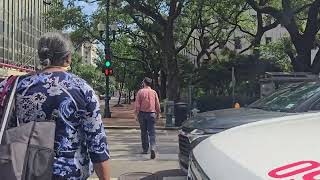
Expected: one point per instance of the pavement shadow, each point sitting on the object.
(155, 176)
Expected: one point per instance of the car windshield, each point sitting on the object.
(288, 98)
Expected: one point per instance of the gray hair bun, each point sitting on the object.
(45, 56)
(46, 62)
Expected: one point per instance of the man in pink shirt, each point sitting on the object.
(147, 111)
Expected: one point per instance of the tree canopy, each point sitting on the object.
(152, 34)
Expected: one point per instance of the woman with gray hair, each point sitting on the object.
(80, 139)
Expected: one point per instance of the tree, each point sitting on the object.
(159, 18)
(302, 21)
(278, 52)
(132, 45)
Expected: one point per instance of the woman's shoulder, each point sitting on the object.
(74, 78)
(78, 82)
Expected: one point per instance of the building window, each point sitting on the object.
(268, 40)
(237, 43)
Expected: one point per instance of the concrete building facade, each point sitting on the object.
(22, 22)
(89, 53)
(238, 41)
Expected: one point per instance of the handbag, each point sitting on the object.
(27, 150)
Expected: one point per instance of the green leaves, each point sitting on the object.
(277, 52)
(90, 73)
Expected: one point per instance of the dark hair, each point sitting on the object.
(53, 48)
(147, 81)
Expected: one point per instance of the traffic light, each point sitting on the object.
(108, 72)
(108, 68)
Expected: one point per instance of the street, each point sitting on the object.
(222, 82)
(125, 151)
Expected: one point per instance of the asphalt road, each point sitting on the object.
(125, 151)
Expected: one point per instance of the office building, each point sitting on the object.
(89, 53)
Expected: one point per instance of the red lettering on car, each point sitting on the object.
(276, 173)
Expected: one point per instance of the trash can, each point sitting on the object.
(181, 113)
(169, 111)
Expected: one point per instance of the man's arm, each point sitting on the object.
(137, 104)
(103, 170)
(158, 109)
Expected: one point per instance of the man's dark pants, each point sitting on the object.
(147, 122)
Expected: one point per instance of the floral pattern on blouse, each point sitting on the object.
(80, 138)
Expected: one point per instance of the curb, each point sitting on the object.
(137, 127)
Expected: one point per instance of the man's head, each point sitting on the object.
(147, 82)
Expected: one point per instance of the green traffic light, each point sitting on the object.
(108, 64)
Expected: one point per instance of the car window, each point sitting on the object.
(288, 98)
(316, 107)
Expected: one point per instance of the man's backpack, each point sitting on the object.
(26, 151)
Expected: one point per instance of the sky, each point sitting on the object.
(87, 8)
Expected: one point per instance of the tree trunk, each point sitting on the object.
(173, 84)
(120, 92)
(302, 62)
(129, 97)
(171, 63)
(303, 45)
(316, 63)
(163, 85)
(119, 98)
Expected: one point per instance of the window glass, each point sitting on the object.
(288, 98)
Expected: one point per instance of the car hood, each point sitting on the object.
(263, 150)
(228, 118)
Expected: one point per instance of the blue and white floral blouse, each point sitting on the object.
(80, 137)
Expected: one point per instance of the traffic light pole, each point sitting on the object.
(107, 51)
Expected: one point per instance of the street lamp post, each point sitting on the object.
(107, 50)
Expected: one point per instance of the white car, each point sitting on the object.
(286, 148)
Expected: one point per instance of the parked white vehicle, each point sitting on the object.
(286, 148)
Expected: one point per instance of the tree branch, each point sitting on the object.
(264, 9)
(144, 27)
(313, 24)
(178, 10)
(147, 10)
(247, 49)
(271, 26)
(185, 43)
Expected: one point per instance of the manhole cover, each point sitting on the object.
(138, 176)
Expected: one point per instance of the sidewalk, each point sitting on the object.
(123, 118)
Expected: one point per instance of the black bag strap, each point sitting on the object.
(8, 109)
